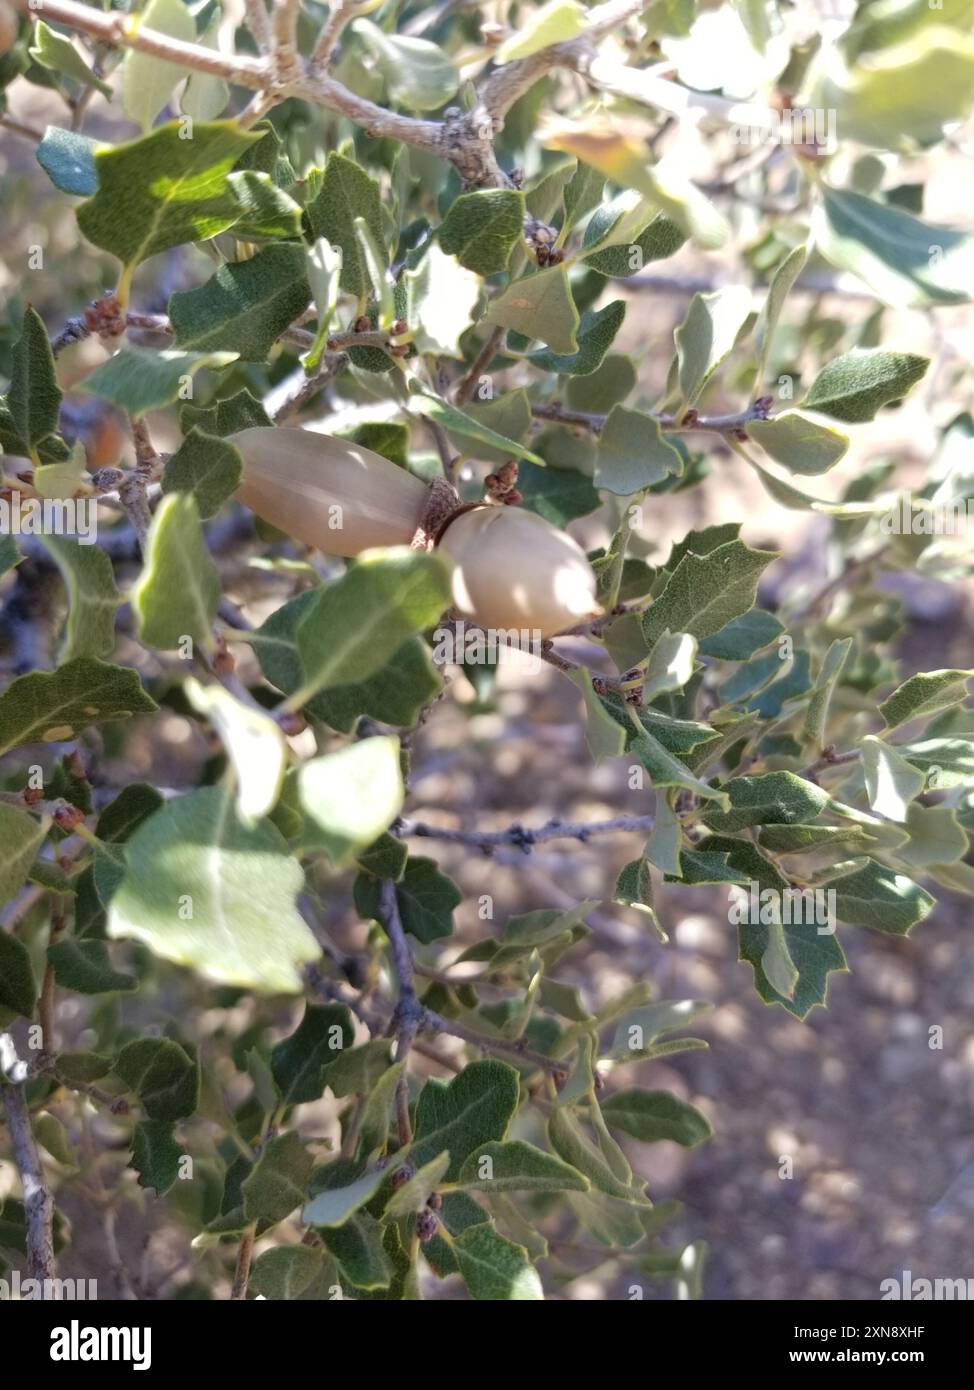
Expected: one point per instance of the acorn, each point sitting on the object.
(327, 492)
(513, 569)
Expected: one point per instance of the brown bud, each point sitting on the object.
(66, 817)
(33, 794)
(362, 324)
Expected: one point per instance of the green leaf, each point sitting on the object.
(359, 1249)
(459, 422)
(494, 1268)
(556, 22)
(148, 81)
(347, 192)
(207, 468)
(665, 770)
(57, 53)
(881, 899)
(653, 1115)
(418, 74)
(772, 798)
(51, 1135)
(245, 307)
(205, 97)
(156, 1156)
(360, 621)
(278, 1182)
(660, 239)
(817, 713)
(254, 745)
(518, 1167)
(356, 1070)
(604, 736)
(472, 1109)
(558, 494)
(18, 988)
(93, 596)
(79, 1069)
(164, 190)
(300, 1063)
(905, 262)
(138, 380)
(335, 1205)
(891, 782)
(572, 1144)
(607, 386)
(797, 839)
(945, 762)
(194, 856)
(482, 228)
(351, 796)
(414, 1194)
(801, 445)
(596, 333)
(22, 836)
(633, 454)
(442, 298)
(743, 636)
(936, 837)
(781, 283)
(177, 593)
(53, 706)
(34, 397)
(670, 666)
(539, 306)
(637, 1031)
(68, 159)
(924, 694)
(86, 966)
(706, 336)
(853, 387)
(228, 416)
(706, 592)
(426, 899)
(162, 1074)
(285, 1272)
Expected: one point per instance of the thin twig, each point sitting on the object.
(525, 839)
(489, 350)
(38, 1202)
(689, 421)
(242, 1271)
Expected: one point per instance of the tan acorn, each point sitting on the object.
(327, 492)
(513, 569)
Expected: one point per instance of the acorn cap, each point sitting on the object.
(513, 569)
(328, 492)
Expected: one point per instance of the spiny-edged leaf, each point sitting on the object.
(351, 796)
(707, 335)
(936, 837)
(817, 713)
(241, 411)
(18, 988)
(474, 1108)
(243, 307)
(442, 297)
(86, 966)
(285, 1272)
(518, 1167)
(21, 836)
(394, 695)
(148, 81)
(163, 190)
(891, 781)
(360, 621)
(162, 1074)
(196, 856)
(882, 899)
(558, 494)
(34, 397)
(253, 742)
(857, 384)
(53, 706)
(347, 192)
(278, 1182)
(924, 694)
(333, 1205)
(177, 593)
(666, 770)
(265, 212)
(653, 1115)
(704, 866)
(706, 592)
(116, 823)
(801, 445)
(208, 468)
(481, 228)
(800, 839)
(68, 160)
(539, 306)
(907, 263)
(418, 74)
(660, 239)
(493, 1267)
(743, 636)
(414, 1194)
(156, 1156)
(772, 798)
(811, 954)
(426, 899)
(358, 1246)
(597, 329)
(633, 454)
(138, 380)
(93, 596)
